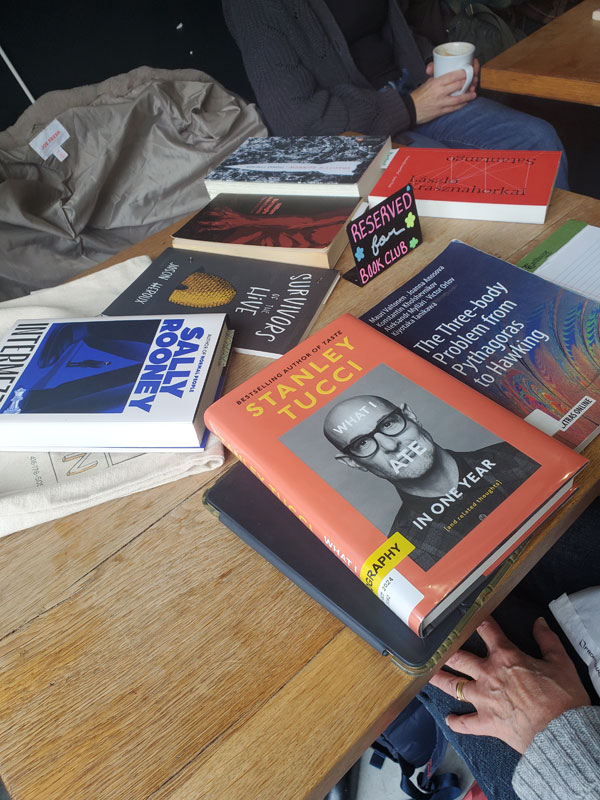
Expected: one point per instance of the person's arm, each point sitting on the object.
(537, 706)
(563, 760)
(288, 66)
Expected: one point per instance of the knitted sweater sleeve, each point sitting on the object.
(563, 761)
(303, 81)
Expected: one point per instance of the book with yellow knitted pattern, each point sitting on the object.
(270, 306)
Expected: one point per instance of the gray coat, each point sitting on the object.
(140, 145)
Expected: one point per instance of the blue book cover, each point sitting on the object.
(110, 384)
(526, 343)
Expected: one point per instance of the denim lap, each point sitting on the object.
(491, 761)
(486, 124)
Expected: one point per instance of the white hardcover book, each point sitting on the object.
(110, 384)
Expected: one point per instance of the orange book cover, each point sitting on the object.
(418, 483)
(502, 185)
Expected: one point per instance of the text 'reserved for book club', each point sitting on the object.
(382, 235)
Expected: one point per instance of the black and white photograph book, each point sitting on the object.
(345, 165)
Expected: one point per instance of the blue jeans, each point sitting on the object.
(488, 125)
(570, 565)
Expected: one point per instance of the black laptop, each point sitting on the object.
(251, 511)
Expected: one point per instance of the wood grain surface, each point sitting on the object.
(560, 61)
(146, 652)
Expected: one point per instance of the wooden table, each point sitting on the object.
(560, 61)
(146, 652)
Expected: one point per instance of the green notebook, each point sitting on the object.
(536, 257)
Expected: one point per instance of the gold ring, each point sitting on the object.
(459, 691)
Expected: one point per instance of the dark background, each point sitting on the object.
(61, 45)
(58, 46)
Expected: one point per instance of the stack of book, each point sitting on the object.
(256, 262)
(263, 249)
(346, 437)
(420, 485)
(406, 455)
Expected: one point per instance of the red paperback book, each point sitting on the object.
(495, 185)
(419, 484)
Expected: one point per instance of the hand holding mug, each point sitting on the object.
(438, 96)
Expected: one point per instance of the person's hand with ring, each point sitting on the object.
(515, 695)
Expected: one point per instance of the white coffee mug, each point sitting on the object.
(452, 56)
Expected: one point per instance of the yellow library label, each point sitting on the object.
(384, 559)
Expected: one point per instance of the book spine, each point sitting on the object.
(15, 353)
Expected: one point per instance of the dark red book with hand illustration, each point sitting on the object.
(298, 229)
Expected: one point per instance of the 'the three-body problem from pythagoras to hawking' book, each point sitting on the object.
(419, 484)
(528, 344)
(104, 384)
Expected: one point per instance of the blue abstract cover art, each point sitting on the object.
(83, 367)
